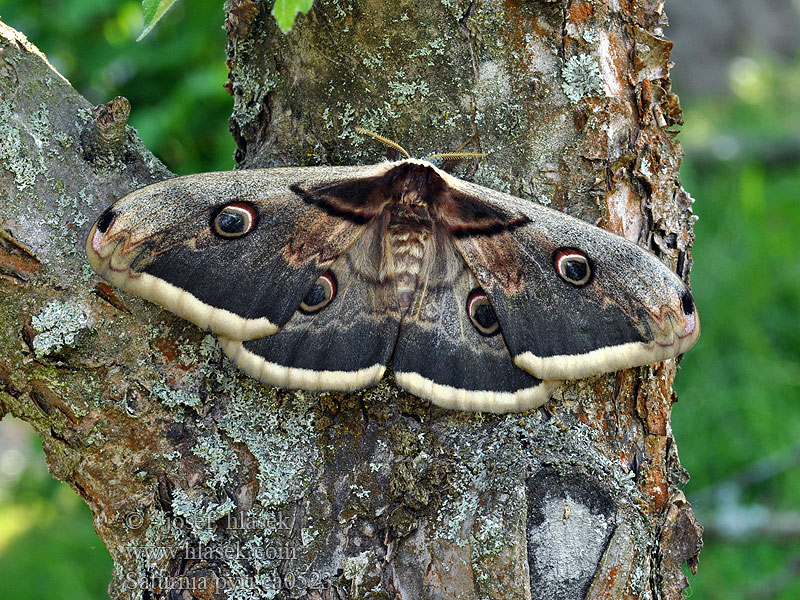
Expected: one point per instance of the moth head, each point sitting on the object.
(234, 220)
(481, 313)
(573, 266)
(320, 295)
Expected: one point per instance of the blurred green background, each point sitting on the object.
(737, 423)
(173, 77)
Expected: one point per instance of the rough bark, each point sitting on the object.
(199, 478)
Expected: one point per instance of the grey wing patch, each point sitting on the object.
(158, 243)
(441, 356)
(343, 346)
(626, 309)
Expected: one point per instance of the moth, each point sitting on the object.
(320, 277)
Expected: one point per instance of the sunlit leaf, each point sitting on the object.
(153, 11)
(285, 11)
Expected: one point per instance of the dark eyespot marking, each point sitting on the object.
(320, 295)
(687, 302)
(234, 220)
(481, 313)
(573, 266)
(105, 220)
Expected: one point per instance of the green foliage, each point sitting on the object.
(744, 375)
(153, 11)
(739, 388)
(48, 548)
(744, 571)
(174, 78)
(286, 11)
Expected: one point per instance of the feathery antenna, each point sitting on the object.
(457, 155)
(443, 155)
(385, 140)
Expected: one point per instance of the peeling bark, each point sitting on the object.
(202, 479)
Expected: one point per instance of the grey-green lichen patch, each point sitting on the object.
(221, 459)
(245, 585)
(280, 435)
(403, 90)
(253, 81)
(491, 534)
(456, 8)
(96, 437)
(468, 477)
(57, 326)
(14, 154)
(582, 78)
(161, 529)
(372, 60)
(343, 9)
(210, 359)
(39, 153)
(434, 47)
(175, 398)
(66, 217)
(200, 512)
(486, 468)
(207, 355)
(41, 129)
(152, 551)
(363, 573)
(309, 534)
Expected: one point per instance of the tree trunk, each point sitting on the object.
(205, 484)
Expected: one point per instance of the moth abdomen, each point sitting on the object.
(406, 239)
(406, 254)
